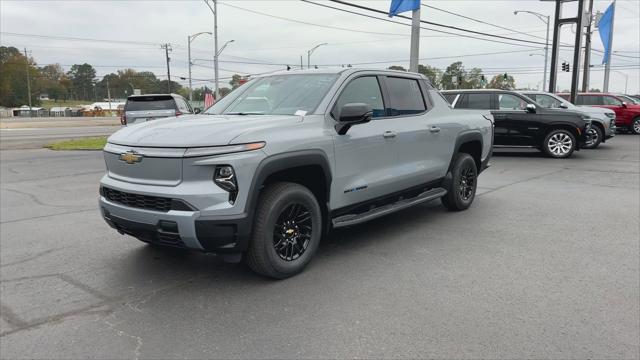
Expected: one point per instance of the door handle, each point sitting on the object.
(434, 129)
(389, 134)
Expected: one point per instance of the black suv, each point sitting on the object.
(521, 122)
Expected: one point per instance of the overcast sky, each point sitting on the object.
(134, 30)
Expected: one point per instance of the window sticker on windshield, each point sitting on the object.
(300, 113)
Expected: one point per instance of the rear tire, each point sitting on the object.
(286, 231)
(559, 144)
(635, 126)
(464, 182)
(596, 137)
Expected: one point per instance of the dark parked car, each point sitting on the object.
(521, 122)
(143, 108)
(627, 112)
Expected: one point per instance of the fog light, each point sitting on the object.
(225, 177)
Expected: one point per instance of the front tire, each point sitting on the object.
(286, 231)
(635, 126)
(559, 144)
(596, 137)
(464, 182)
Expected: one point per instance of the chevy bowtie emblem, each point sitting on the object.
(130, 157)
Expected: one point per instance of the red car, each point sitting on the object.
(627, 112)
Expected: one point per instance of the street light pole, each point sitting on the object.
(214, 10)
(309, 52)
(190, 38)
(547, 20)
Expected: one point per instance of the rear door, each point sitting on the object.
(424, 142)
(146, 108)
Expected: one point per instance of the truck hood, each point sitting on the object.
(197, 130)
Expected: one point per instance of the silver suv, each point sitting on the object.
(269, 169)
(143, 108)
(603, 120)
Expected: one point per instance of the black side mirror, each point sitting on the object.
(197, 110)
(353, 114)
(530, 108)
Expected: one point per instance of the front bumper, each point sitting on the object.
(184, 229)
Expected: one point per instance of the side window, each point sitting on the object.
(450, 97)
(594, 100)
(479, 101)
(182, 107)
(510, 102)
(362, 90)
(405, 96)
(610, 100)
(547, 101)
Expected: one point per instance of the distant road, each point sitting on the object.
(47, 122)
(31, 138)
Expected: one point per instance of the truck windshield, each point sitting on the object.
(280, 95)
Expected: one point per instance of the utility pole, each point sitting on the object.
(28, 79)
(415, 41)
(301, 64)
(607, 67)
(108, 93)
(587, 51)
(167, 48)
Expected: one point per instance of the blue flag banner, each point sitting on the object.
(604, 28)
(400, 6)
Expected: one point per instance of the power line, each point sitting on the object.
(68, 38)
(422, 27)
(481, 21)
(436, 24)
(312, 24)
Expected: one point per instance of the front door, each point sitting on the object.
(366, 154)
(517, 126)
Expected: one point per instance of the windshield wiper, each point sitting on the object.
(244, 113)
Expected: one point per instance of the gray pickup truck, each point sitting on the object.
(268, 170)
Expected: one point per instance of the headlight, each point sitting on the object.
(225, 177)
(611, 115)
(225, 149)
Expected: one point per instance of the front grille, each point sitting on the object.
(136, 200)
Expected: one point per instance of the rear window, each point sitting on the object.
(405, 96)
(150, 103)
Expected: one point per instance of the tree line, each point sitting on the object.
(80, 82)
(455, 76)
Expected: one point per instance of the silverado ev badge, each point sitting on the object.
(130, 157)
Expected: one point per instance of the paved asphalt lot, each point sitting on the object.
(545, 264)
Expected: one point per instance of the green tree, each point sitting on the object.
(474, 79)
(13, 77)
(81, 76)
(433, 74)
(53, 81)
(503, 82)
(455, 71)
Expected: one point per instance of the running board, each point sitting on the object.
(353, 219)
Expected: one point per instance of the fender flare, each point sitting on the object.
(465, 138)
(283, 161)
